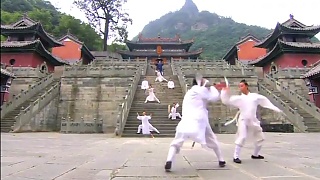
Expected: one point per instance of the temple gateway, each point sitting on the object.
(159, 47)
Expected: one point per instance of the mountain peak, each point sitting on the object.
(190, 6)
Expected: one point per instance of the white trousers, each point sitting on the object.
(174, 117)
(242, 134)
(150, 127)
(210, 138)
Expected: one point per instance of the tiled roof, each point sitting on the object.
(9, 44)
(6, 72)
(135, 53)
(314, 71)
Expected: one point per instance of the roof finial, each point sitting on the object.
(68, 31)
(159, 35)
(291, 16)
(25, 15)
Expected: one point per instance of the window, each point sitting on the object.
(12, 62)
(304, 62)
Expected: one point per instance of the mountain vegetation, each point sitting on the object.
(54, 22)
(214, 33)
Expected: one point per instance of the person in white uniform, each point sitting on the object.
(151, 96)
(194, 124)
(145, 84)
(160, 78)
(247, 117)
(145, 125)
(170, 84)
(173, 112)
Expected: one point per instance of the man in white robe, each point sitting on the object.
(194, 124)
(173, 112)
(145, 84)
(145, 125)
(247, 121)
(160, 78)
(151, 96)
(170, 84)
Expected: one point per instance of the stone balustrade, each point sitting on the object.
(199, 61)
(294, 97)
(290, 72)
(293, 116)
(25, 115)
(17, 100)
(100, 71)
(230, 71)
(124, 107)
(82, 126)
(119, 61)
(27, 72)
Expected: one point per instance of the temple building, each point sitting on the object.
(73, 50)
(28, 45)
(159, 47)
(289, 45)
(6, 79)
(312, 79)
(244, 50)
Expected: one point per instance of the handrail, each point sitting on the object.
(32, 90)
(301, 101)
(176, 69)
(124, 107)
(293, 116)
(35, 107)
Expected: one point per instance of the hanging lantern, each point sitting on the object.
(159, 50)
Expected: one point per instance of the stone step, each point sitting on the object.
(162, 135)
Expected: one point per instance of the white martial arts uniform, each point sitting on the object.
(173, 113)
(145, 85)
(194, 124)
(170, 84)
(151, 96)
(145, 125)
(248, 121)
(160, 78)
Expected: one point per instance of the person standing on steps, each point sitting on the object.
(145, 84)
(159, 66)
(247, 117)
(194, 124)
(173, 111)
(170, 84)
(145, 125)
(160, 78)
(151, 96)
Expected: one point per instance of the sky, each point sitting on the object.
(265, 13)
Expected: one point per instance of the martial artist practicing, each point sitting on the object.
(247, 121)
(194, 124)
(145, 125)
(170, 84)
(173, 112)
(145, 84)
(160, 78)
(151, 96)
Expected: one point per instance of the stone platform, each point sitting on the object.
(46, 156)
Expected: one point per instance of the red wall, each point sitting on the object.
(315, 97)
(292, 60)
(247, 51)
(25, 60)
(70, 50)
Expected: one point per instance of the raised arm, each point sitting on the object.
(211, 94)
(265, 102)
(231, 100)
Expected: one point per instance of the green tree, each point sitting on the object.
(114, 47)
(108, 16)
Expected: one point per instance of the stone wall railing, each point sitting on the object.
(289, 72)
(68, 126)
(27, 72)
(124, 107)
(17, 100)
(118, 61)
(293, 116)
(230, 71)
(176, 70)
(101, 71)
(26, 114)
(198, 61)
(294, 97)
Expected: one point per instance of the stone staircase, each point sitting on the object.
(159, 111)
(9, 119)
(313, 125)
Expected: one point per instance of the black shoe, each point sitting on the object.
(168, 165)
(222, 163)
(237, 160)
(257, 157)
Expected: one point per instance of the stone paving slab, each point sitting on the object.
(46, 156)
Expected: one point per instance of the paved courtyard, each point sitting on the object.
(46, 156)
